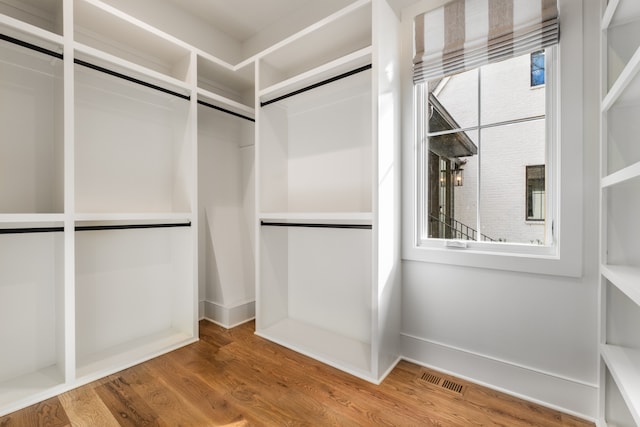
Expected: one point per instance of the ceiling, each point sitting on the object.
(243, 19)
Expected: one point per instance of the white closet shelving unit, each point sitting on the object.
(327, 147)
(98, 190)
(620, 206)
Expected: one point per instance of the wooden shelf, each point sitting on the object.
(624, 365)
(333, 349)
(625, 278)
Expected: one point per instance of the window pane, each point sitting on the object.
(505, 153)
(506, 91)
(537, 68)
(445, 109)
(452, 189)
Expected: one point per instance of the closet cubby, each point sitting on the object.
(44, 15)
(101, 28)
(134, 295)
(340, 34)
(133, 147)
(620, 205)
(316, 150)
(32, 359)
(315, 284)
(31, 130)
(225, 87)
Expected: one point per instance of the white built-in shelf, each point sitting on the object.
(130, 69)
(220, 81)
(224, 103)
(337, 67)
(620, 12)
(32, 219)
(129, 217)
(626, 89)
(42, 18)
(364, 218)
(625, 278)
(621, 176)
(338, 35)
(334, 349)
(624, 366)
(100, 364)
(107, 29)
(19, 392)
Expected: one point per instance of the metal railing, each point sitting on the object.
(451, 228)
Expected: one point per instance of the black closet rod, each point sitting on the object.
(224, 110)
(315, 85)
(30, 46)
(129, 78)
(31, 230)
(131, 226)
(315, 225)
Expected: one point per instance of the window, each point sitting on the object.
(535, 193)
(537, 68)
(485, 123)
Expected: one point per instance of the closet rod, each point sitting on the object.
(31, 230)
(30, 46)
(315, 85)
(131, 226)
(129, 78)
(224, 110)
(315, 225)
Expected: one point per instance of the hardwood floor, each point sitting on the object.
(233, 378)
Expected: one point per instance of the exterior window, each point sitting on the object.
(535, 193)
(485, 125)
(537, 68)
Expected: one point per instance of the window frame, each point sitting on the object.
(564, 258)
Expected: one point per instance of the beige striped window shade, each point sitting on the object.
(465, 34)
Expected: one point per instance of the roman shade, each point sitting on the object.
(466, 34)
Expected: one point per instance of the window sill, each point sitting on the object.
(529, 259)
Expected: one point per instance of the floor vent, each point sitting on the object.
(441, 382)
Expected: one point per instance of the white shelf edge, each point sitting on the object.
(79, 217)
(138, 23)
(101, 364)
(608, 14)
(317, 216)
(25, 390)
(32, 218)
(356, 58)
(623, 365)
(32, 30)
(625, 278)
(212, 58)
(346, 354)
(228, 103)
(624, 79)
(308, 30)
(623, 175)
(119, 62)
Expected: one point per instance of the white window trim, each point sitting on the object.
(565, 257)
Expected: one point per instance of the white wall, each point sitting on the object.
(532, 335)
(226, 203)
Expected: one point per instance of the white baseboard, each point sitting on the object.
(563, 394)
(228, 316)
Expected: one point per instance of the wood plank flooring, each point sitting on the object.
(233, 378)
